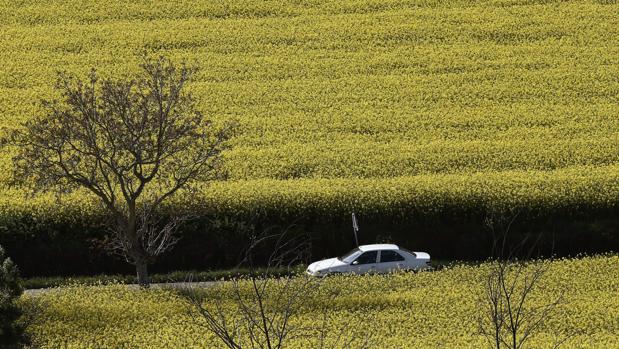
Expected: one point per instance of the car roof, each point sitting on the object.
(375, 247)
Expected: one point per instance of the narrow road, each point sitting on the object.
(40, 291)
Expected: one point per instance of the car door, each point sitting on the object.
(390, 260)
(365, 263)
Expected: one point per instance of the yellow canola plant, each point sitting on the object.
(363, 93)
(423, 310)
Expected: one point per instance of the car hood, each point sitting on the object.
(326, 264)
(422, 255)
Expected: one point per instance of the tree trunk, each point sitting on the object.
(136, 251)
(141, 267)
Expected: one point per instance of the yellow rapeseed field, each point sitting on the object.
(370, 105)
(423, 310)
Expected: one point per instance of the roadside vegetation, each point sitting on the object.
(421, 310)
(11, 327)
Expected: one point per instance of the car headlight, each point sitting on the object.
(313, 272)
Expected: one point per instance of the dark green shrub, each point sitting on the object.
(11, 332)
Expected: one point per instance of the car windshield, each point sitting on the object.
(411, 252)
(349, 255)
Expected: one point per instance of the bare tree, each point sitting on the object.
(258, 311)
(508, 318)
(132, 143)
(263, 306)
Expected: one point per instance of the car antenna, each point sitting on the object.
(355, 228)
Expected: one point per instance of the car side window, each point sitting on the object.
(390, 256)
(367, 258)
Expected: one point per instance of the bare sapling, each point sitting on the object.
(509, 316)
(260, 311)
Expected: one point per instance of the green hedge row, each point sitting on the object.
(53, 248)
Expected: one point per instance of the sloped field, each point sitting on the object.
(368, 105)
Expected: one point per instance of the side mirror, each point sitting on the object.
(354, 263)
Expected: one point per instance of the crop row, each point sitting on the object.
(578, 188)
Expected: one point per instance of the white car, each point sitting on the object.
(379, 258)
